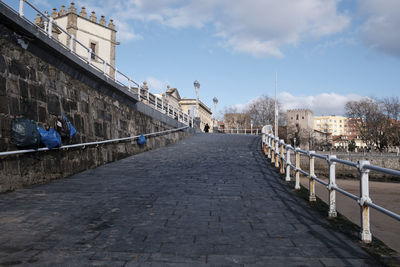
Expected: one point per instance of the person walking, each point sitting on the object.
(206, 128)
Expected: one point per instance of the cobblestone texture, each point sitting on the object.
(209, 200)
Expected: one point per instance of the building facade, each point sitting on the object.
(336, 125)
(300, 127)
(96, 35)
(189, 106)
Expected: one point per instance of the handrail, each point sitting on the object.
(274, 149)
(15, 152)
(49, 24)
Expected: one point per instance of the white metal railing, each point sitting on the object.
(250, 131)
(84, 145)
(120, 78)
(279, 154)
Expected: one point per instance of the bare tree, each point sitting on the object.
(390, 107)
(262, 111)
(377, 121)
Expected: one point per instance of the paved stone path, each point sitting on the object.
(209, 200)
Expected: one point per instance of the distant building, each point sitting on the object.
(189, 106)
(304, 118)
(336, 125)
(300, 126)
(173, 97)
(98, 36)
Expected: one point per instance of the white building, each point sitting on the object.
(88, 31)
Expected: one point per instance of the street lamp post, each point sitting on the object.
(197, 87)
(197, 123)
(251, 127)
(215, 100)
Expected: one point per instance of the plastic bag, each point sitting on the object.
(50, 138)
(141, 140)
(72, 130)
(62, 127)
(25, 133)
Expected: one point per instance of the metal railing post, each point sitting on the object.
(45, 25)
(311, 159)
(105, 67)
(269, 147)
(277, 152)
(162, 105)
(272, 149)
(21, 8)
(155, 103)
(332, 182)
(129, 84)
(297, 185)
(115, 74)
(365, 233)
(89, 55)
(138, 92)
(50, 28)
(71, 43)
(168, 110)
(282, 157)
(287, 178)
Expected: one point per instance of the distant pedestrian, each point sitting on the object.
(206, 128)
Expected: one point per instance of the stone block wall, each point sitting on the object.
(40, 84)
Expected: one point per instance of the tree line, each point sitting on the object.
(376, 120)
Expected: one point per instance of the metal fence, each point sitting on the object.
(279, 154)
(120, 78)
(250, 131)
(84, 145)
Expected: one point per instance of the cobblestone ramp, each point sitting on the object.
(209, 200)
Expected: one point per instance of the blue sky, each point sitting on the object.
(326, 52)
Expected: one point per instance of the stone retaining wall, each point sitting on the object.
(40, 81)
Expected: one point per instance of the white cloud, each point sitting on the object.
(322, 104)
(257, 27)
(381, 28)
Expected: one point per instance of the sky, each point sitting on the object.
(324, 52)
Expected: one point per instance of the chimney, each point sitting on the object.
(93, 17)
(72, 8)
(62, 11)
(83, 13)
(111, 24)
(54, 14)
(102, 21)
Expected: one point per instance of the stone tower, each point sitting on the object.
(90, 32)
(300, 125)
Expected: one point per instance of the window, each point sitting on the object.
(291, 118)
(297, 117)
(302, 117)
(93, 47)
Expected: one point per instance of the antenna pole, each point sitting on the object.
(276, 105)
